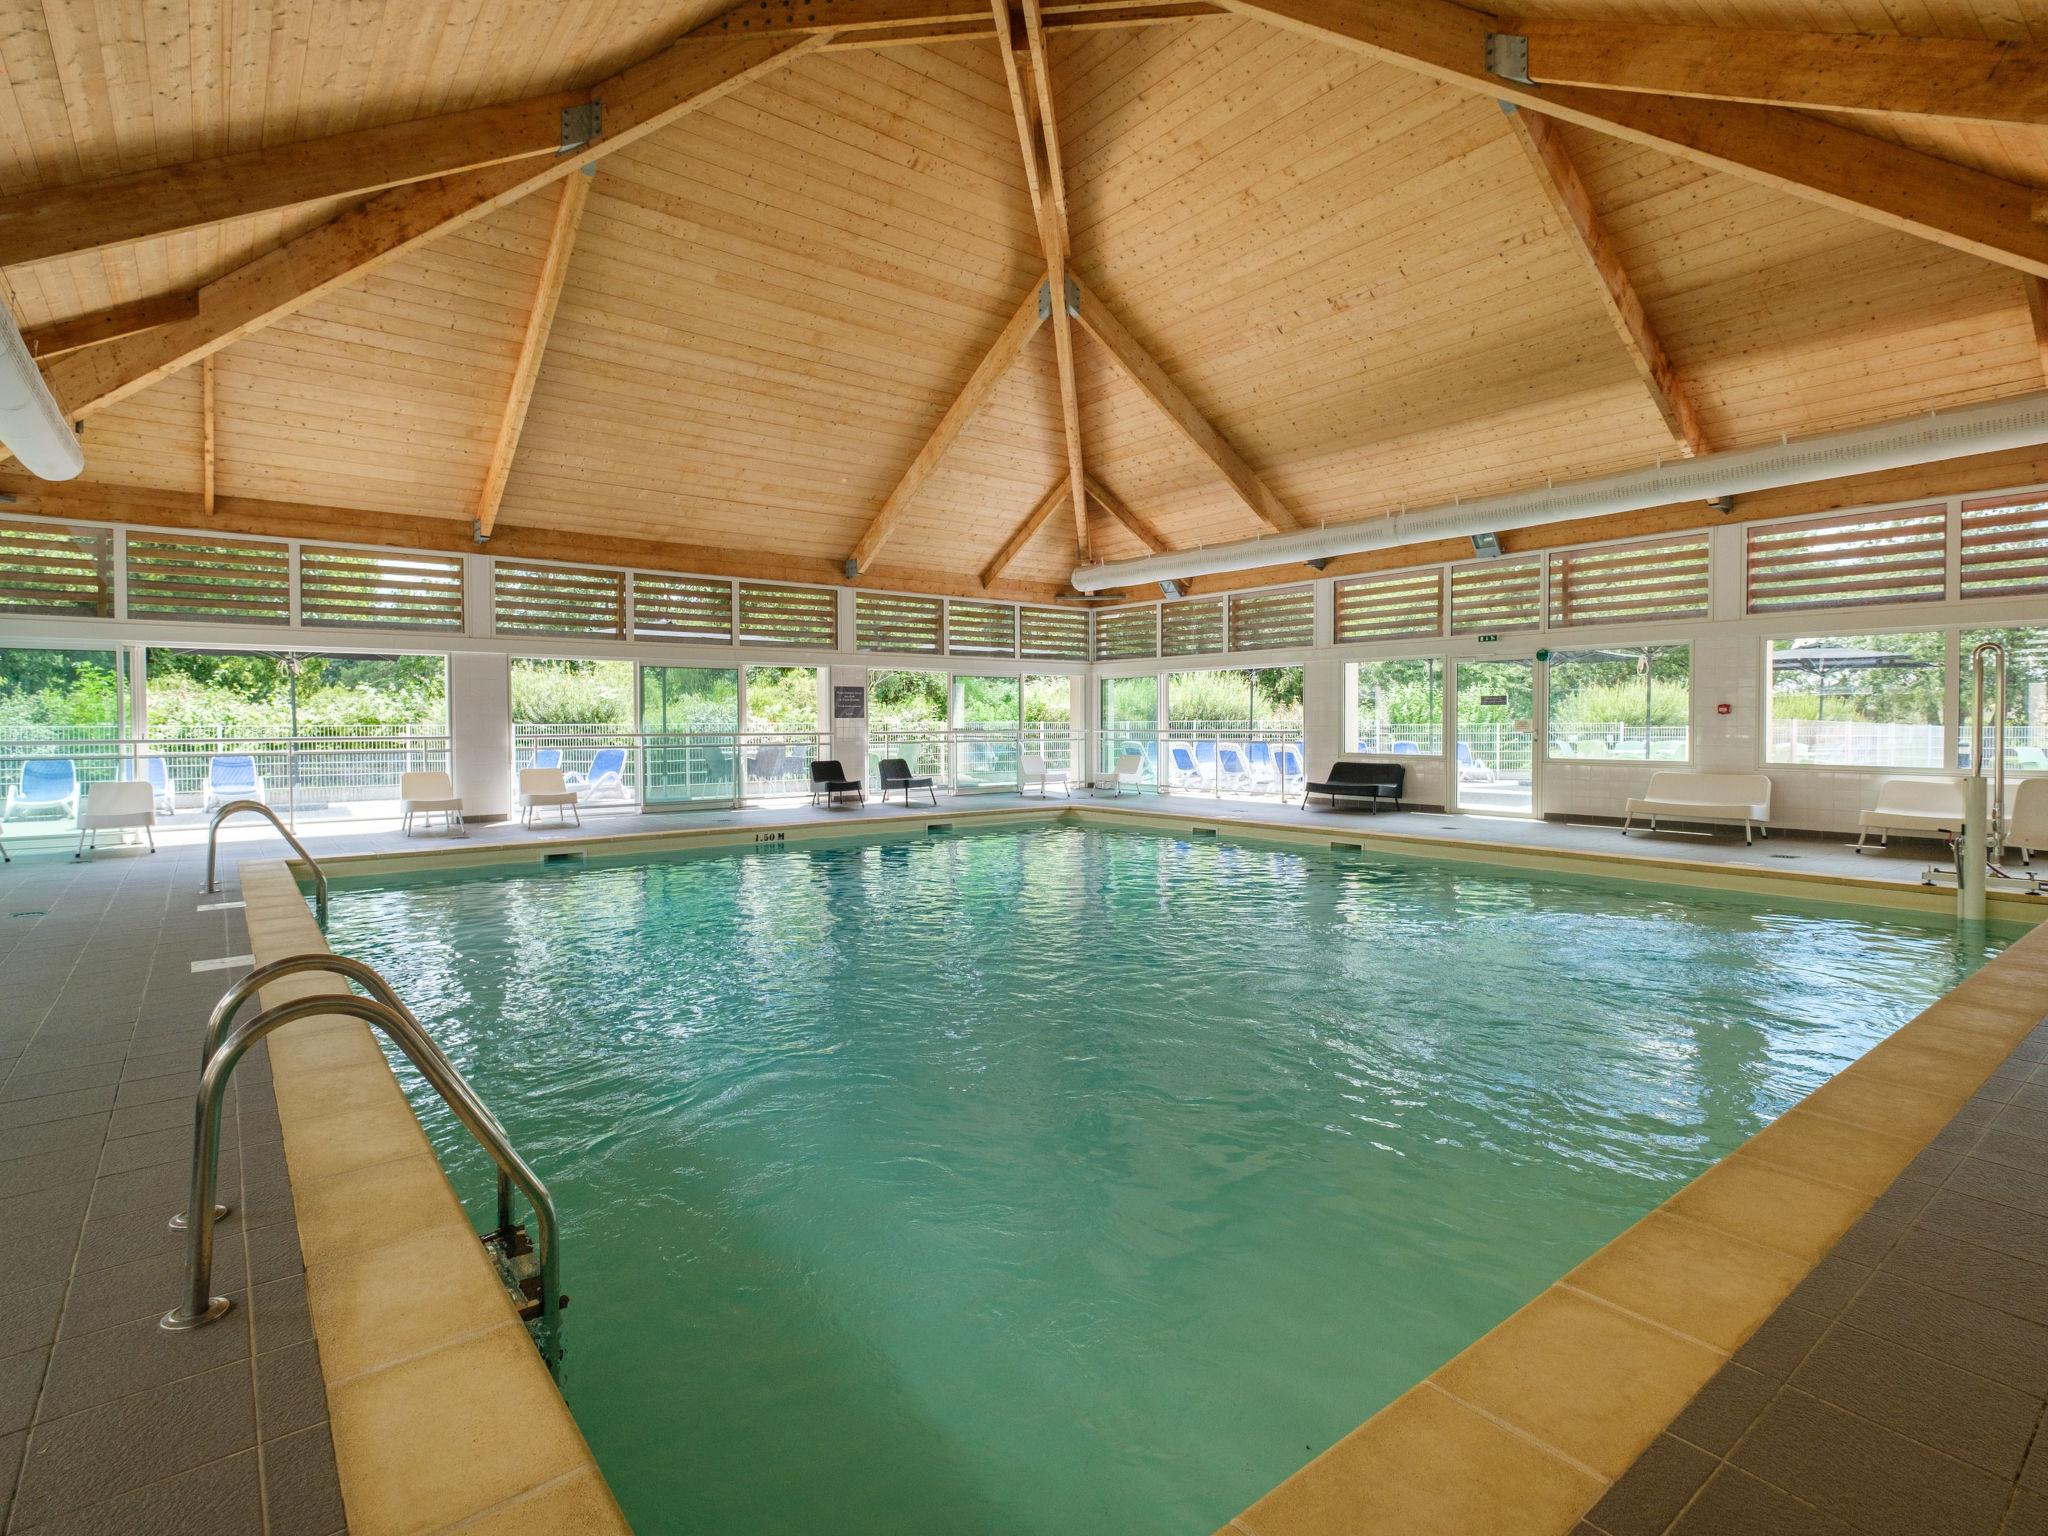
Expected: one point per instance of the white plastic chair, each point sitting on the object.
(539, 787)
(428, 793)
(1034, 771)
(116, 804)
(2026, 823)
(1130, 769)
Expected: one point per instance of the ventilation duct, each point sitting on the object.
(31, 426)
(1955, 434)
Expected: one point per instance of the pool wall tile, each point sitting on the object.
(443, 1415)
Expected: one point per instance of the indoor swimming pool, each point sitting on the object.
(1060, 1177)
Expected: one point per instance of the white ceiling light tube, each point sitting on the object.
(2020, 422)
(31, 426)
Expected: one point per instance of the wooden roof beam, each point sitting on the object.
(1141, 530)
(1544, 145)
(533, 345)
(846, 20)
(638, 101)
(1793, 152)
(2037, 311)
(981, 29)
(61, 336)
(1153, 381)
(1830, 71)
(1025, 532)
(1038, 141)
(988, 373)
(206, 437)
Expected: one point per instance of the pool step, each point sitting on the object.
(518, 1269)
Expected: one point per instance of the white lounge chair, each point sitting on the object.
(1930, 807)
(429, 793)
(1129, 769)
(1678, 795)
(1032, 770)
(540, 787)
(2026, 820)
(116, 805)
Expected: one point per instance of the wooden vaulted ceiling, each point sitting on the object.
(1357, 278)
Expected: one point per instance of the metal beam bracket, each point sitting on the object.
(583, 123)
(851, 569)
(1045, 301)
(476, 531)
(1507, 57)
(1073, 297)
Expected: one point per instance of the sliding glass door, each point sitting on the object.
(1495, 762)
(690, 716)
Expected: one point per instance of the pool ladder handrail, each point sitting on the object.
(396, 1021)
(213, 849)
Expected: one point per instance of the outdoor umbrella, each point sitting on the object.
(1820, 660)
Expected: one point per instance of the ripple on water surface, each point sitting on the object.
(1071, 1179)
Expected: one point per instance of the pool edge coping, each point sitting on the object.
(443, 1415)
(1477, 1414)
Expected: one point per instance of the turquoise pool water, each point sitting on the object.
(1063, 1179)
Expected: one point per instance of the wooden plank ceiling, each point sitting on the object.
(1352, 273)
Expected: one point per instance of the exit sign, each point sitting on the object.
(1486, 639)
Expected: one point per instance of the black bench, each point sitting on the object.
(1360, 781)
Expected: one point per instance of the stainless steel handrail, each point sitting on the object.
(1978, 653)
(201, 1306)
(371, 981)
(213, 849)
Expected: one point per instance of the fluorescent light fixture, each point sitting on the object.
(1486, 546)
(31, 426)
(1169, 589)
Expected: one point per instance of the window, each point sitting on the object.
(782, 699)
(65, 704)
(794, 616)
(49, 569)
(981, 629)
(1630, 583)
(1849, 560)
(667, 607)
(557, 600)
(1127, 633)
(1208, 702)
(1053, 634)
(2026, 698)
(907, 701)
(339, 588)
(989, 701)
(888, 621)
(313, 735)
(1631, 703)
(243, 581)
(1271, 621)
(687, 714)
(1499, 595)
(2005, 547)
(1048, 701)
(1130, 721)
(1863, 700)
(565, 712)
(1399, 706)
(1191, 628)
(1390, 607)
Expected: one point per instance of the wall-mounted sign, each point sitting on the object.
(1494, 698)
(849, 702)
(1487, 639)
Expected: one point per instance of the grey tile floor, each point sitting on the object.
(108, 1424)
(1900, 1390)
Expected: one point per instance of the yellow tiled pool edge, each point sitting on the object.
(445, 1418)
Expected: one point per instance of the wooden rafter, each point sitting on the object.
(1544, 145)
(1794, 152)
(49, 222)
(988, 373)
(1025, 532)
(2037, 311)
(1837, 71)
(533, 345)
(1038, 141)
(61, 336)
(1157, 385)
(206, 436)
(1142, 530)
(638, 101)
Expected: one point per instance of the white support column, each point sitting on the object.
(1322, 715)
(480, 723)
(849, 736)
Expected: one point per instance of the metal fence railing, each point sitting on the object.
(674, 769)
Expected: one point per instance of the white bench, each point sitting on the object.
(1680, 795)
(539, 787)
(1930, 806)
(2026, 817)
(116, 806)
